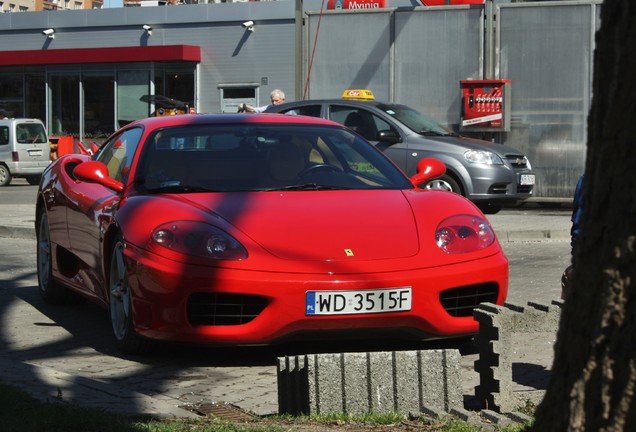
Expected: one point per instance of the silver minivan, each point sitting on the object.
(24, 150)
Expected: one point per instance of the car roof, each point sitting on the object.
(352, 102)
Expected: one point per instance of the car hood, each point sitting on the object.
(320, 225)
(470, 143)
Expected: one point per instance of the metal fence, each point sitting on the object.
(417, 56)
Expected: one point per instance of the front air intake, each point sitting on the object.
(461, 301)
(216, 309)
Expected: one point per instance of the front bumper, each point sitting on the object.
(500, 184)
(192, 303)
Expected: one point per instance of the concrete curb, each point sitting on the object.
(17, 232)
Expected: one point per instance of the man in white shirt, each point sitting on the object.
(277, 97)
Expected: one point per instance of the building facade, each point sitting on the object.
(86, 72)
(10, 6)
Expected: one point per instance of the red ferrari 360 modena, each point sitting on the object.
(257, 229)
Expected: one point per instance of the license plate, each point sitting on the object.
(35, 153)
(358, 302)
(526, 179)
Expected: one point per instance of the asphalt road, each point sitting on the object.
(75, 340)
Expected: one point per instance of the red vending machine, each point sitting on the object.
(485, 105)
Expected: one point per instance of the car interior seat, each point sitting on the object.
(357, 123)
(285, 162)
(166, 166)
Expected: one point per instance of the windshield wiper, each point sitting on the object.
(306, 186)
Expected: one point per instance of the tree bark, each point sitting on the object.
(594, 372)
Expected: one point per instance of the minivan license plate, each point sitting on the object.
(358, 302)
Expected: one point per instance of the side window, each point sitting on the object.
(358, 120)
(118, 153)
(4, 135)
(311, 111)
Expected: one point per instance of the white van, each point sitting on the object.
(24, 150)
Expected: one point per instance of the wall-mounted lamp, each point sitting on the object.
(249, 25)
(148, 29)
(50, 33)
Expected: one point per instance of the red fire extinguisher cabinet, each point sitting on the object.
(485, 105)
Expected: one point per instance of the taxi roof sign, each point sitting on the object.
(359, 94)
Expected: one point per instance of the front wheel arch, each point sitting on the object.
(446, 182)
(120, 309)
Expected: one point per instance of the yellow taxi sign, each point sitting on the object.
(359, 94)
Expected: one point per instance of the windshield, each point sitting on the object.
(262, 157)
(415, 120)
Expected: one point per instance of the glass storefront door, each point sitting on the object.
(131, 87)
(64, 99)
(99, 105)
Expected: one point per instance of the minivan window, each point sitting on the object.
(30, 133)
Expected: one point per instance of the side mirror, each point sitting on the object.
(97, 172)
(389, 136)
(427, 169)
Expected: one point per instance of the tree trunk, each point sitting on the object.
(594, 373)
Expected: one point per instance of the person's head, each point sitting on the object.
(277, 97)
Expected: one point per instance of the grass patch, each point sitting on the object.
(21, 413)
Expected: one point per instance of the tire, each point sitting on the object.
(489, 208)
(50, 290)
(5, 175)
(444, 182)
(33, 180)
(120, 304)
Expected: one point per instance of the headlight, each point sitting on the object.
(463, 234)
(482, 157)
(198, 239)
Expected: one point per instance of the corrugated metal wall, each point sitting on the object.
(547, 52)
(418, 56)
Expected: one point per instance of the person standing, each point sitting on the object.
(577, 209)
(276, 97)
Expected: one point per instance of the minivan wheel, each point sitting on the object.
(444, 182)
(5, 175)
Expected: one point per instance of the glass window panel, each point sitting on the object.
(99, 106)
(131, 86)
(65, 100)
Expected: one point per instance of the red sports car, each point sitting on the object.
(257, 229)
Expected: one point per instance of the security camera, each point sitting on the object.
(147, 27)
(249, 25)
(49, 32)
